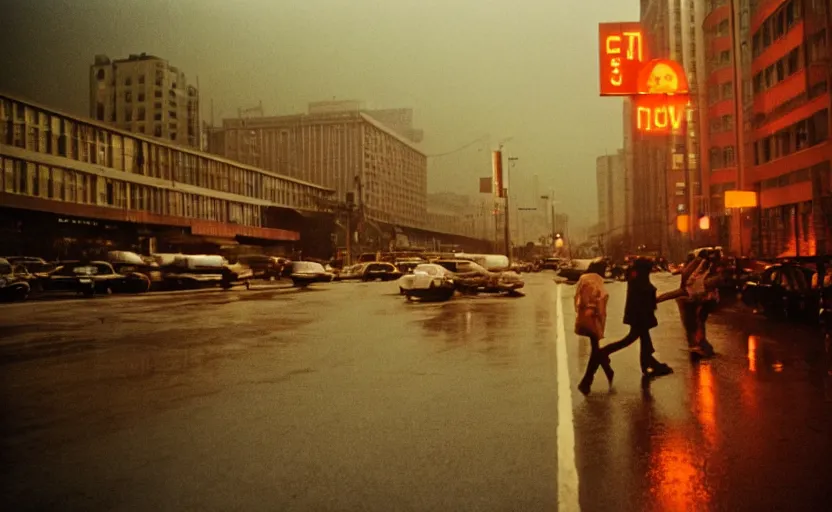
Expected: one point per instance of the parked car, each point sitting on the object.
(380, 271)
(428, 282)
(91, 278)
(304, 273)
(264, 267)
(406, 265)
(126, 262)
(14, 281)
(575, 269)
(783, 291)
(350, 272)
(551, 264)
(472, 278)
(32, 264)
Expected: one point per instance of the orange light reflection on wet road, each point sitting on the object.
(752, 353)
(706, 403)
(676, 480)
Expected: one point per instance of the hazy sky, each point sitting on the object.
(525, 69)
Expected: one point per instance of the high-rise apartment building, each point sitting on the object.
(145, 94)
(612, 200)
(769, 133)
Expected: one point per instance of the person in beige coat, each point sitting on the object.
(590, 320)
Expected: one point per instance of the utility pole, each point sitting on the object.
(511, 159)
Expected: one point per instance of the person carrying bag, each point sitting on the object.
(590, 320)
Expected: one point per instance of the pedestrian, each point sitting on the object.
(640, 315)
(590, 320)
(698, 301)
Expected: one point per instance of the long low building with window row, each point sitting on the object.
(56, 166)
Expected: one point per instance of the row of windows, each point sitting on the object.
(722, 157)
(801, 135)
(719, 60)
(719, 92)
(775, 26)
(779, 71)
(798, 176)
(66, 185)
(722, 124)
(25, 127)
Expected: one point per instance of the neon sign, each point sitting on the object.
(662, 76)
(659, 88)
(660, 114)
(622, 52)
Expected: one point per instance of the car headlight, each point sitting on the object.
(2, 283)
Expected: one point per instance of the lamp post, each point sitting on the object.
(507, 234)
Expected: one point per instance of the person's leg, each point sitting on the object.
(702, 334)
(591, 366)
(624, 342)
(649, 365)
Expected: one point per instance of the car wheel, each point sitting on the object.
(89, 292)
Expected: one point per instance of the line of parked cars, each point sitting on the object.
(128, 272)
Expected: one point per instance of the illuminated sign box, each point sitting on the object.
(740, 199)
(622, 52)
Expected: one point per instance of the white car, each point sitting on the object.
(428, 282)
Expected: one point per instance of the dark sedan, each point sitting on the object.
(14, 281)
(782, 291)
(91, 278)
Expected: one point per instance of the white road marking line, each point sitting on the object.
(568, 497)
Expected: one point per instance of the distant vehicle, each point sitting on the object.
(201, 270)
(32, 264)
(490, 262)
(304, 273)
(91, 278)
(380, 271)
(428, 282)
(126, 262)
(783, 291)
(406, 265)
(14, 281)
(472, 278)
(575, 269)
(264, 267)
(551, 264)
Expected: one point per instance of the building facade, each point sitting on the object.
(612, 199)
(790, 125)
(60, 172)
(666, 169)
(348, 151)
(769, 103)
(145, 94)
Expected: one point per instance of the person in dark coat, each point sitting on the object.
(640, 315)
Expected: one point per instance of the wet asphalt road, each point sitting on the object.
(345, 397)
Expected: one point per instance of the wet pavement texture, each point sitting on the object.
(346, 397)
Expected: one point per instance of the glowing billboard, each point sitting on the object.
(622, 52)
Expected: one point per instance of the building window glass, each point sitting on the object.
(129, 154)
(58, 183)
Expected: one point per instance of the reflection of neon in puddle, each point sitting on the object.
(676, 478)
(752, 353)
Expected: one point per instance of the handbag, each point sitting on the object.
(589, 323)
